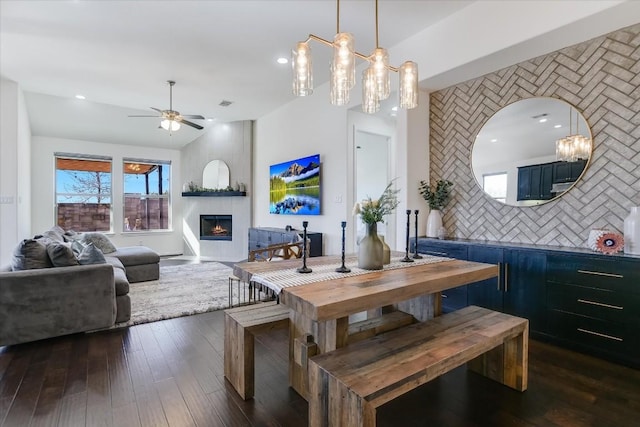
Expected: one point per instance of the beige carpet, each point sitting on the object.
(182, 290)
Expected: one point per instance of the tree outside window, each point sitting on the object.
(83, 193)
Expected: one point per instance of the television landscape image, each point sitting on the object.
(295, 187)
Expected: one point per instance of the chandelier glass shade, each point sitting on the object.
(170, 125)
(370, 102)
(302, 73)
(573, 147)
(376, 81)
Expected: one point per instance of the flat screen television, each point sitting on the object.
(294, 187)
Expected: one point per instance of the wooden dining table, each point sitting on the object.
(320, 310)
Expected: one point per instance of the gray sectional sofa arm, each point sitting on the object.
(43, 303)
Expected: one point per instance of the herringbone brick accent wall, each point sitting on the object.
(601, 78)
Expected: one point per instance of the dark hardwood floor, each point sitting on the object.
(170, 373)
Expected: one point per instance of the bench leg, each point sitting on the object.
(238, 357)
(508, 363)
(332, 404)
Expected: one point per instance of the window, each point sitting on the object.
(146, 194)
(83, 192)
(495, 185)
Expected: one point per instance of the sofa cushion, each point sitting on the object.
(136, 255)
(115, 262)
(91, 255)
(31, 254)
(121, 281)
(61, 254)
(100, 241)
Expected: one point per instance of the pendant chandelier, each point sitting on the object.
(573, 147)
(376, 82)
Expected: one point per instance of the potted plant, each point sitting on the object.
(437, 196)
(371, 248)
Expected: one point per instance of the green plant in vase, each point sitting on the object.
(437, 197)
(372, 211)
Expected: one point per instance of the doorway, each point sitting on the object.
(372, 174)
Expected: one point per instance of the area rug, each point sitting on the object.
(182, 290)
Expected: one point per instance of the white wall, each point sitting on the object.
(43, 189)
(15, 167)
(230, 142)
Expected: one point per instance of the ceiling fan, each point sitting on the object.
(171, 119)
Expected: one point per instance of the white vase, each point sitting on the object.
(434, 223)
(632, 232)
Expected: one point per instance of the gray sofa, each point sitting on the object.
(38, 303)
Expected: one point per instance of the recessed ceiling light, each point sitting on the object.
(210, 119)
(81, 97)
(542, 120)
(394, 108)
(557, 126)
(282, 60)
(494, 140)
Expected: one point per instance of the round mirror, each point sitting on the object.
(531, 152)
(215, 175)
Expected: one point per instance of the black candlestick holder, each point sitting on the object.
(343, 268)
(415, 243)
(406, 248)
(304, 268)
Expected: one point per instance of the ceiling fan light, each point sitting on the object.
(170, 125)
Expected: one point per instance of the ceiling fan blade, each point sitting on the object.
(144, 116)
(193, 116)
(188, 123)
(156, 109)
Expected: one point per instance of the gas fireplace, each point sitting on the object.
(216, 227)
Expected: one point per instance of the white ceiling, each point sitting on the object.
(119, 54)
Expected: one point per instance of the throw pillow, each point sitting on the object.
(91, 255)
(31, 254)
(61, 254)
(76, 246)
(55, 233)
(100, 241)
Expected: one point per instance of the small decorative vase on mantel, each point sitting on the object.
(434, 223)
(370, 251)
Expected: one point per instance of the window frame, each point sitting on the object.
(499, 199)
(129, 224)
(83, 157)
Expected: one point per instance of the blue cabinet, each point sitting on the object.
(452, 299)
(572, 297)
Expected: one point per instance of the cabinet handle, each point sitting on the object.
(597, 273)
(586, 331)
(600, 304)
(506, 277)
(499, 275)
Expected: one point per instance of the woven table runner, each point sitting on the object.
(276, 281)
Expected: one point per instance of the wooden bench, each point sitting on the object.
(347, 385)
(240, 326)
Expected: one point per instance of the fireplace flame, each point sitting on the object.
(219, 231)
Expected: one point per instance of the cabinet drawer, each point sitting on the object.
(597, 303)
(597, 334)
(454, 299)
(599, 273)
(451, 251)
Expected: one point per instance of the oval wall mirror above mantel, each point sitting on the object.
(515, 159)
(215, 175)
